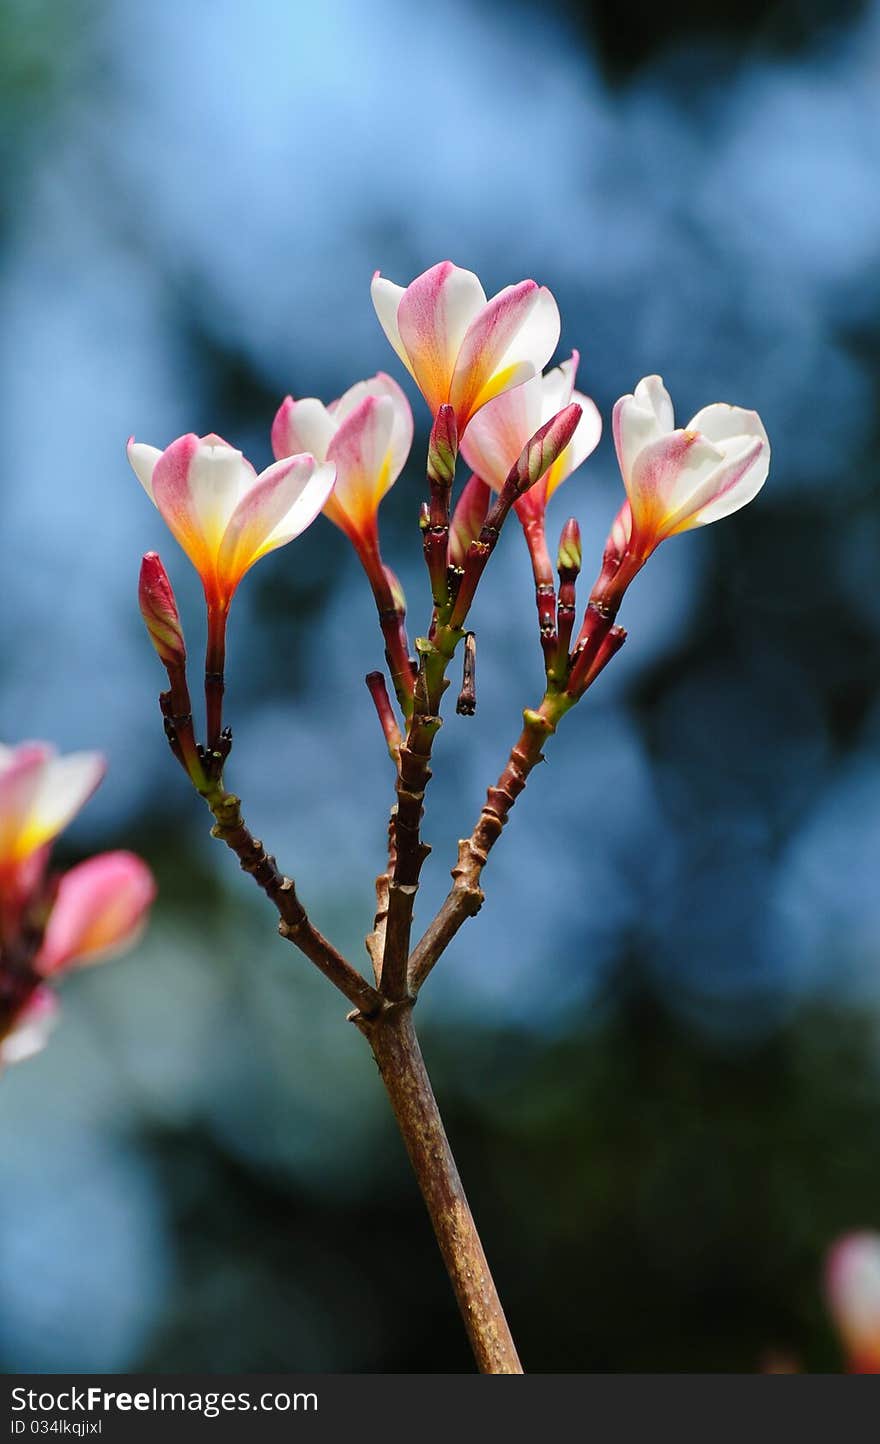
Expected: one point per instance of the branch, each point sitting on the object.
(230, 828)
(466, 897)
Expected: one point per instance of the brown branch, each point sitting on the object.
(466, 896)
(392, 1037)
(229, 827)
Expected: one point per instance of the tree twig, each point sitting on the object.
(295, 925)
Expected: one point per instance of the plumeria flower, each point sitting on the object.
(222, 513)
(497, 435)
(40, 793)
(47, 924)
(679, 479)
(853, 1287)
(461, 349)
(366, 435)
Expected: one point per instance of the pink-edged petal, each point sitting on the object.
(100, 909)
(31, 1029)
(433, 318)
(852, 1281)
(65, 786)
(721, 423)
(402, 430)
(304, 426)
(517, 330)
(366, 465)
(734, 483)
(640, 419)
(664, 476)
(197, 484)
(44, 796)
(142, 459)
(500, 429)
(21, 769)
(282, 502)
(386, 299)
(584, 442)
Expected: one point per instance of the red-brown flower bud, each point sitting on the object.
(548, 442)
(159, 611)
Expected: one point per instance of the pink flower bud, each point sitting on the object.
(159, 610)
(548, 442)
(100, 909)
(467, 519)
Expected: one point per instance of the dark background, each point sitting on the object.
(657, 1047)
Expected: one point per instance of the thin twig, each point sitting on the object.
(229, 827)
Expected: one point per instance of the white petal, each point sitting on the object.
(386, 299)
(143, 460)
(218, 478)
(307, 505)
(640, 419)
(65, 785)
(310, 427)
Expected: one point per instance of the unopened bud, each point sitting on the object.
(548, 443)
(467, 519)
(443, 447)
(159, 611)
(424, 516)
(568, 560)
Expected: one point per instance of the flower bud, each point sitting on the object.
(548, 443)
(568, 560)
(159, 610)
(467, 519)
(443, 448)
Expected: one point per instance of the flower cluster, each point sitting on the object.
(50, 923)
(478, 363)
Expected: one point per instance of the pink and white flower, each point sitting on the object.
(677, 479)
(498, 433)
(222, 513)
(40, 793)
(366, 435)
(852, 1281)
(460, 348)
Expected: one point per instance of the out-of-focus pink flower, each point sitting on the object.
(497, 435)
(39, 795)
(100, 909)
(31, 1028)
(676, 479)
(222, 513)
(366, 435)
(460, 348)
(852, 1282)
